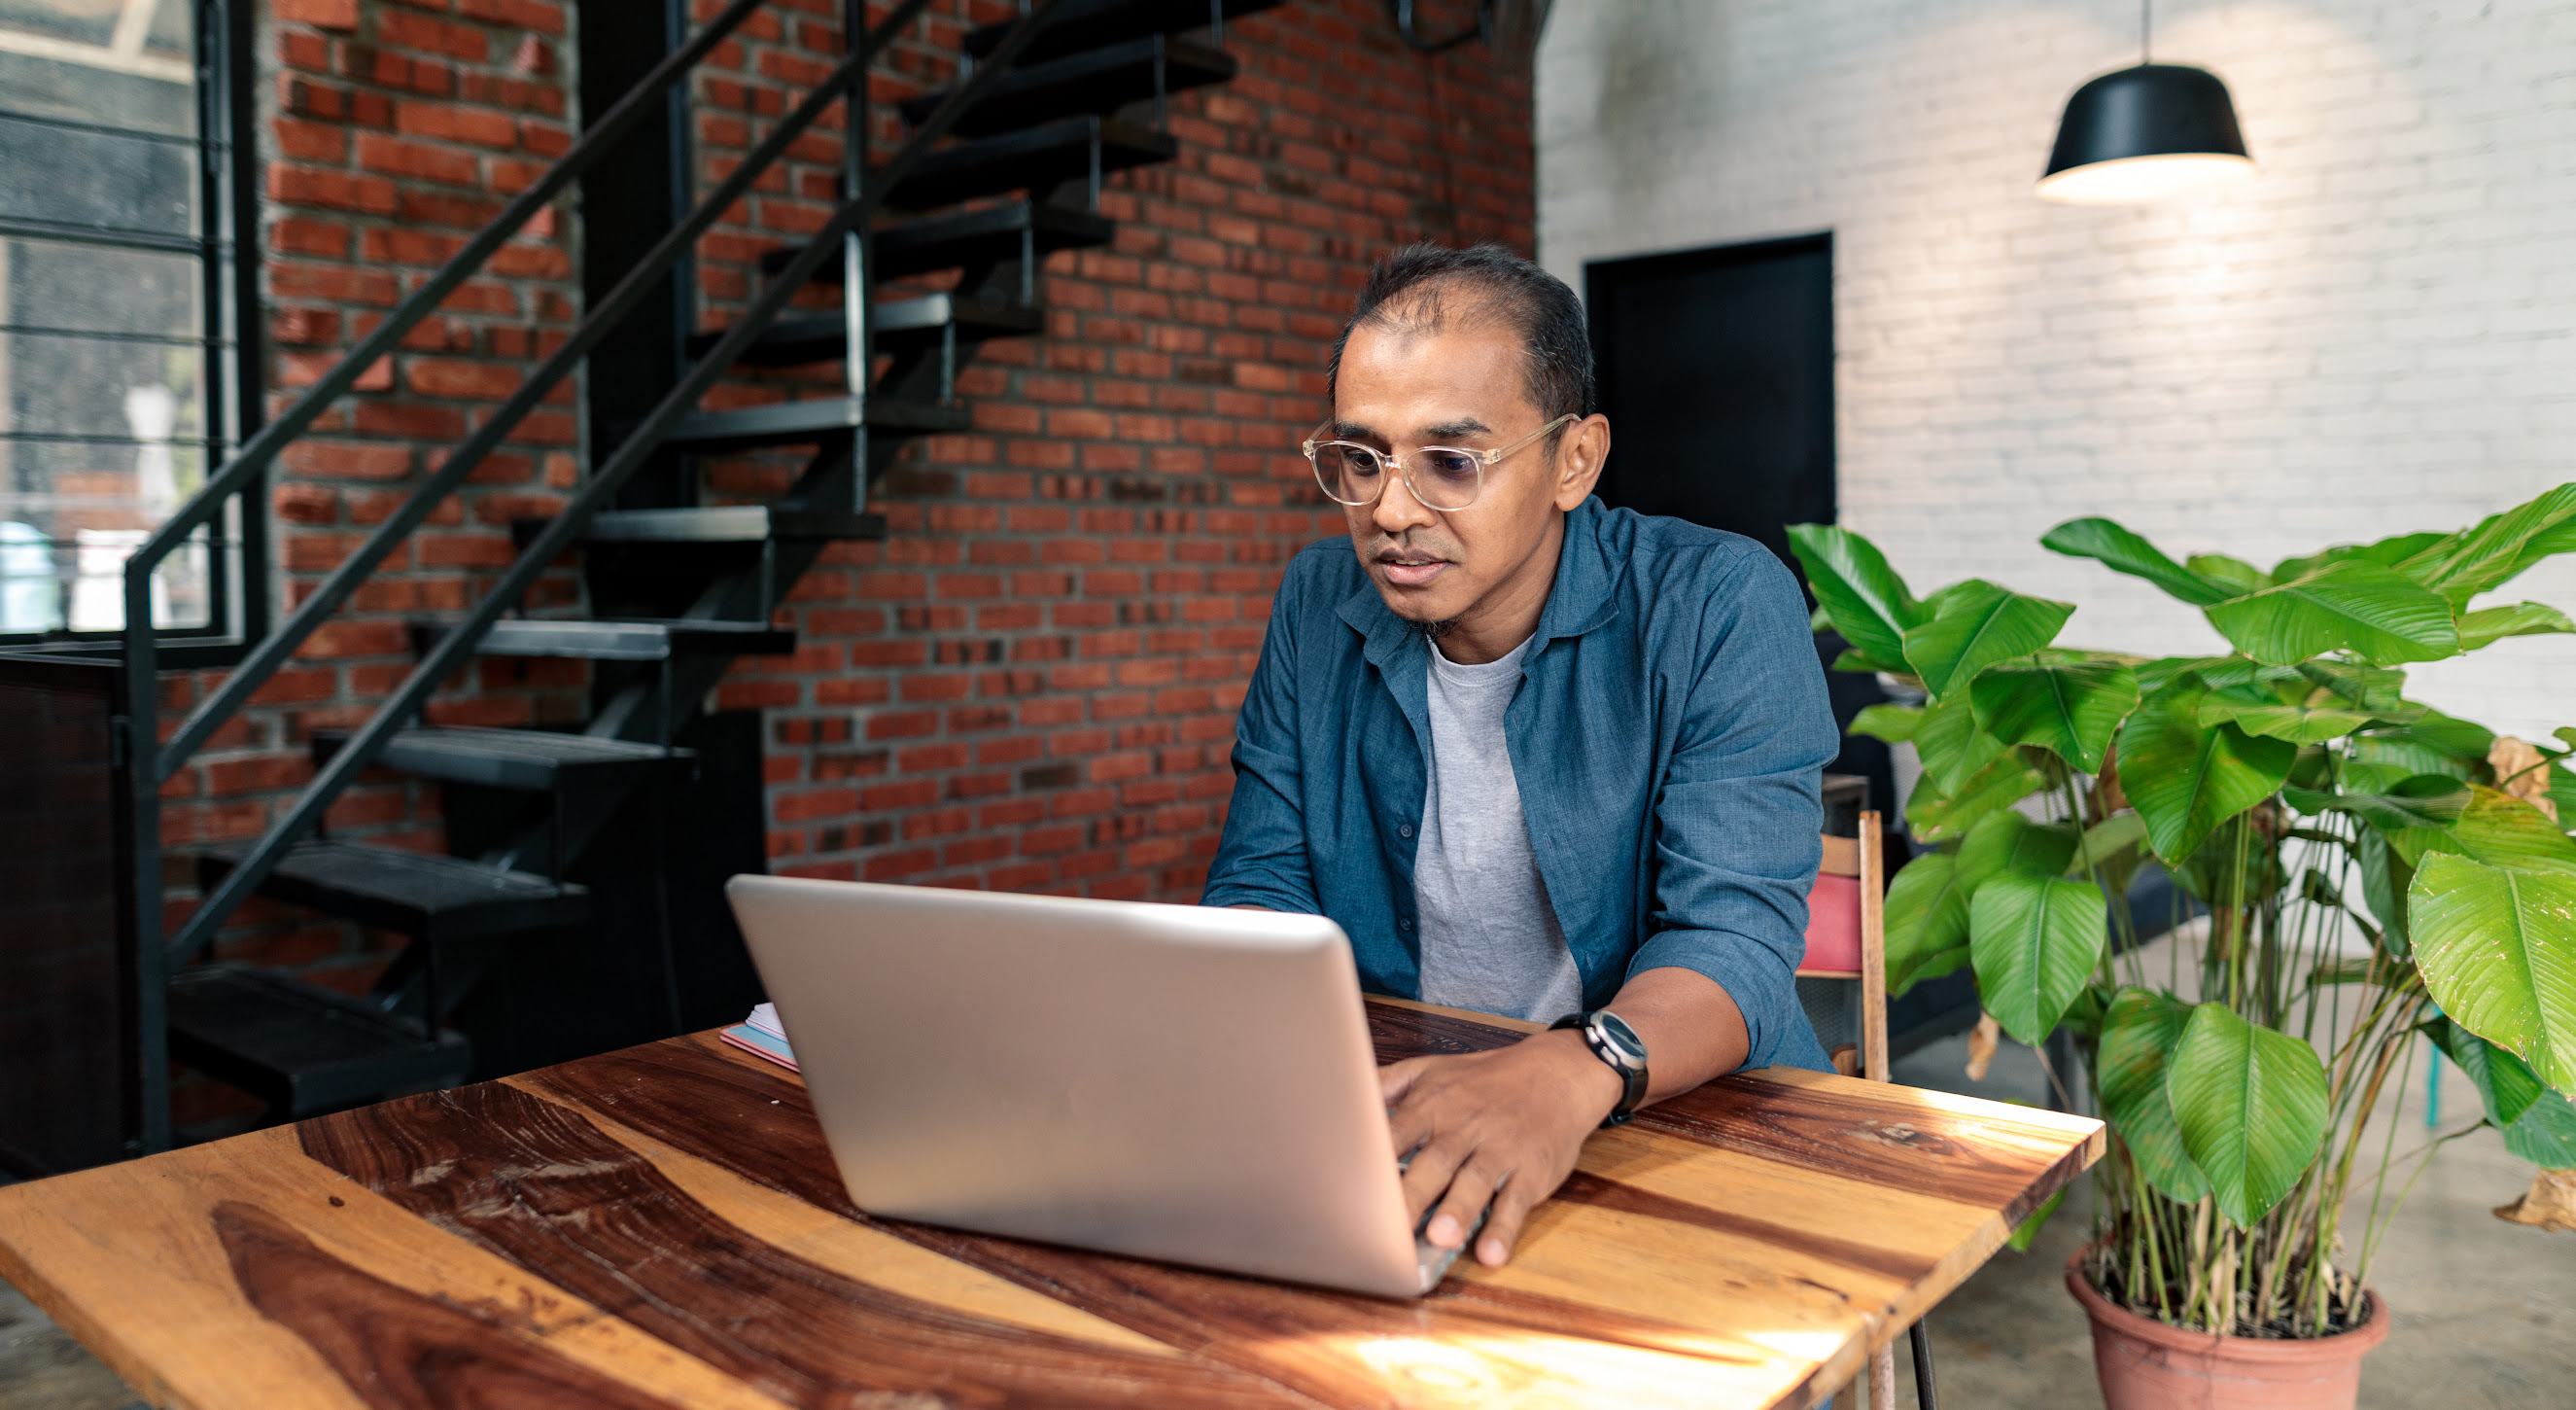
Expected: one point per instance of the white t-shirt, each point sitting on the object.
(1490, 940)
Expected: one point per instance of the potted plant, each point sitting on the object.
(2372, 869)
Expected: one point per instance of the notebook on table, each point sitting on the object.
(761, 1036)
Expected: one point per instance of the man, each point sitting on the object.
(1536, 756)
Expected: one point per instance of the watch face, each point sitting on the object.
(1622, 1038)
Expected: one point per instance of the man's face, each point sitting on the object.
(1464, 387)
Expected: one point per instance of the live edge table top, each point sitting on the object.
(661, 1227)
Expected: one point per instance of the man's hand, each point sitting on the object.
(1504, 1125)
(1507, 1125)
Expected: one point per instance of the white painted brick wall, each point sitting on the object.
(2374, 336)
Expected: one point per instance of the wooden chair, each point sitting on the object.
(1847, 940)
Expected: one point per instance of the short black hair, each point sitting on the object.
(1537, 304)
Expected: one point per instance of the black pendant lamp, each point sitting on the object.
(2144, 133)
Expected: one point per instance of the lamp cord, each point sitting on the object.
(2146, 30)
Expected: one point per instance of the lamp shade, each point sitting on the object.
(2137, 134)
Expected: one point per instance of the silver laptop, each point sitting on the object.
(1170, 1082)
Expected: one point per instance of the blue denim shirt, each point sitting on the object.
(1668, 740)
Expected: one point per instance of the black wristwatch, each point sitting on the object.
(1614, 1042)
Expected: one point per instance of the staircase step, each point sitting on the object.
(640, 639)
(964, 239)
(1074, 25)
(533, 759)
(788, 423)
(733, 523)
(305, 1049)
(431, 897)
(1031, 159)
(822, 337)
(1094, 81)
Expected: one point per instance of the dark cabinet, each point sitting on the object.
(71, 1063)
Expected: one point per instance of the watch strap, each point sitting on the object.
(1633, 1095)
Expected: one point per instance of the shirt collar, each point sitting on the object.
(1581, 599)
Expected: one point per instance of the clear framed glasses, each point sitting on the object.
(1441, 477)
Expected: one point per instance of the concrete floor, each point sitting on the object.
(2486, 1311)
(42, 1368)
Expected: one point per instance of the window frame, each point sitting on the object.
(229, 343)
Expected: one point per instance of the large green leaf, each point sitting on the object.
(2154, 676)
(2381, 690)
(2121, 551)
(1852, 582)
(2251, 1102)
(2069, 709)
(1893, 723)
(2414, 813)
(2034, 941)
(1927, 921)
(2489, 625)
(2539, 1125)
(2505, 1082)
(2300, 713)
(2545, 1135)
(2007, 841)
(2386, 875)
(1978, 625)
(2464, 740)
(2116, 836)
(2352, 605)
(2139, 1033)
(1934, 814)
(2497, 948)
(2462, 565)
(2504, 831)
(2237, 575)
(2186, 779)
(2388, 553)
(2548, 543)
(1949, 744)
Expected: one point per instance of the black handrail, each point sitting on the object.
(262, 448)
(360, 750)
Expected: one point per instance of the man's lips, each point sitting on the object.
(1409, 569)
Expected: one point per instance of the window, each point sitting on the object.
(122, 365)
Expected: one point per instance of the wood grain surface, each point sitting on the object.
(663, 1226)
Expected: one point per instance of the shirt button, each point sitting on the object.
(1404, 829)
(1404, 925)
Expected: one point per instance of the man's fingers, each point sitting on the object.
(1394, 1079)
(1469, 1190)
(1512, 1208)
(1431, 1171)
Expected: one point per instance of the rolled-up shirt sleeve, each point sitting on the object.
(1739, 812)
(1262, 859)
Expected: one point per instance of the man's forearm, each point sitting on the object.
(1691, 1026)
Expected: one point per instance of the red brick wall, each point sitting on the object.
(390, 132)
(1032, 685)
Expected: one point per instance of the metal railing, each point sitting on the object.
(153, 763)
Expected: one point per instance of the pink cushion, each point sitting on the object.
(1833, 924)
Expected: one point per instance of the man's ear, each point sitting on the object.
(1580, 454)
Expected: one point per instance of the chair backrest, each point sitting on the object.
(1847, 931)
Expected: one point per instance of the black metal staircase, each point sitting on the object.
(1004, 167)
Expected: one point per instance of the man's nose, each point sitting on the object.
(1396, 509)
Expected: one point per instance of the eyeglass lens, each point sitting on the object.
(1354, 474)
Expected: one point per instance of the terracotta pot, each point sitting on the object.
(2149, 1365)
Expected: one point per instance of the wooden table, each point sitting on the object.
(661, 1227)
